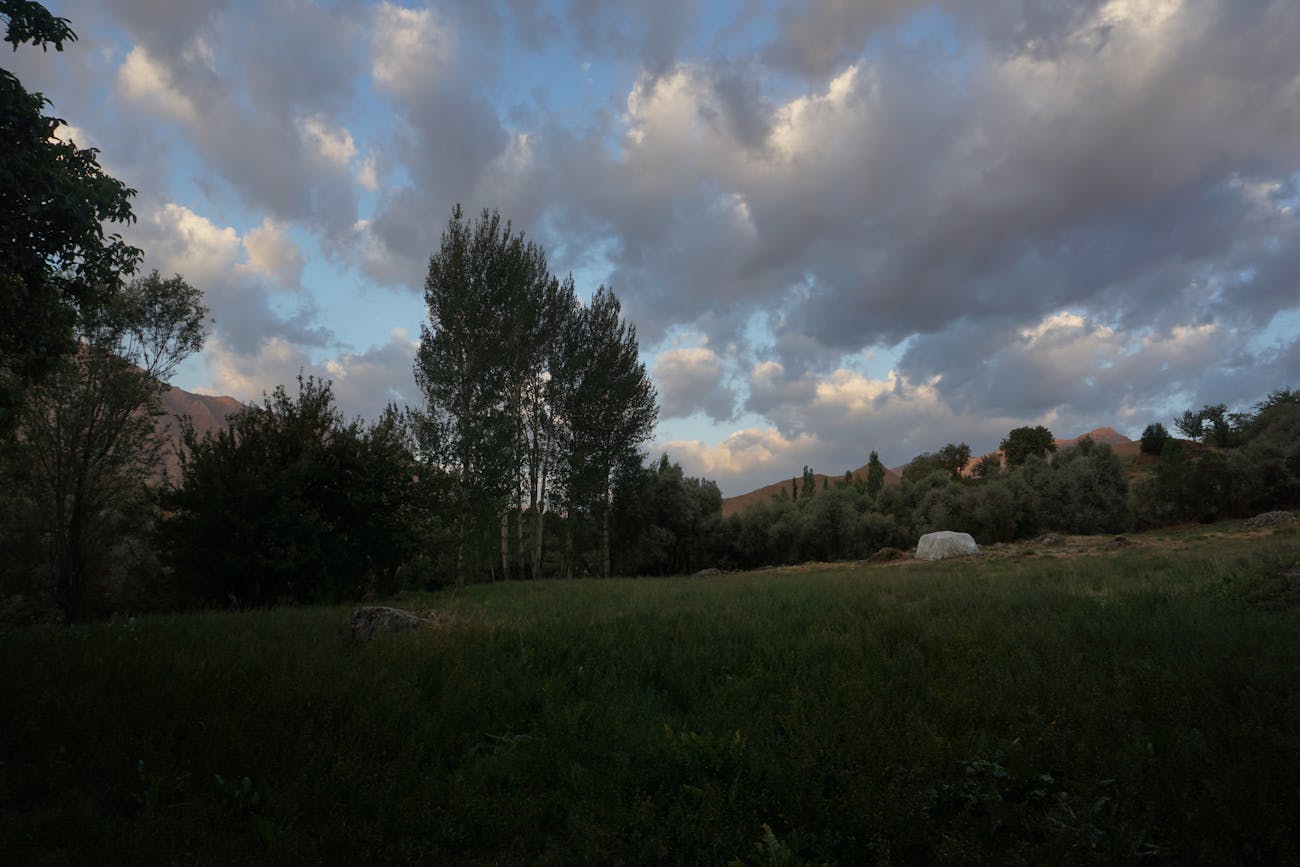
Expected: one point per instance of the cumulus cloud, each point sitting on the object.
(244, 279)
(273, 253)
(1073, 213)
(409, 46)
(691, 379)
(363, 383)
(743, 457)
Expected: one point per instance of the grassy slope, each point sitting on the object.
(1144, 704)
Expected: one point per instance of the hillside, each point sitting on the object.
(209, 413)
(1123, 446)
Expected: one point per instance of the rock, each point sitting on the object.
(1050, 539)
(1269, 519)
(709, 571)
(945, 544)
(886, 553)
(374, 620)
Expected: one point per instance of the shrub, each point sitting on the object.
(1154, 438)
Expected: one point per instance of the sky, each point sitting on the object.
(837, 226)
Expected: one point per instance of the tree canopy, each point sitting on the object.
(1022, 443)
(56, 261)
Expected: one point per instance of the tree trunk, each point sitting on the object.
(604, 537)
(568, 544)
(539, 519)
(460, 551)
(520, 563)
(505, 544)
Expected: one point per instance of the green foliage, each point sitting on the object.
(477, 280)
(292, 503)
(988, 466)
(58, 267)
(1022, 443)
(77, 469)
(1212, 424)
(1088, 492)
(614, 405)
(664, 523)
(528, 394)
(875, 474)
(922, 466)
(954, 458)
(1154, 438)
(1112, 709)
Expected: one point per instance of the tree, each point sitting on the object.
(1211, 424)
(875, 474)
(464, 365)
(1154, 438)
(665, 522)
(57, 265)
(613, 406)
(1025, 442)
(923, 465)
(988, 467)
(292, 502)
(954, 458)
(87, 443)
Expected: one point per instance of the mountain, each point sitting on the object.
(209, 413)
(1122, 445)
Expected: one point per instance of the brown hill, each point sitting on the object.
(1123, 446)
(209, 413)
(765, 494)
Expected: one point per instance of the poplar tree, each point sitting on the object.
(610, 405)
(875, 474)
(464, 363)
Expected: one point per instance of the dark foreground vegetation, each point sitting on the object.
(1138, 705)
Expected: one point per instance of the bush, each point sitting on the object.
(1154, 438)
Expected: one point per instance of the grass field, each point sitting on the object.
(1135, 705)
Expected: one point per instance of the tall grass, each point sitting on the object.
(1139, 707)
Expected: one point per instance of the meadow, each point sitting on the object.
(1140, 704)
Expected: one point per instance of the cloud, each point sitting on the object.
(363, 383)
(245, 280)
(273, 253)
(149, 83)
(1068, 213)
(333, 144)
(749, 454)
(409, 46)
(814, 39)
(691, 379)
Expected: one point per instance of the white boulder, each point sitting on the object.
(945, 544)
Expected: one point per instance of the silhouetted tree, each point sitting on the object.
(58, 268)
(1025, 442)
(87, 443)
